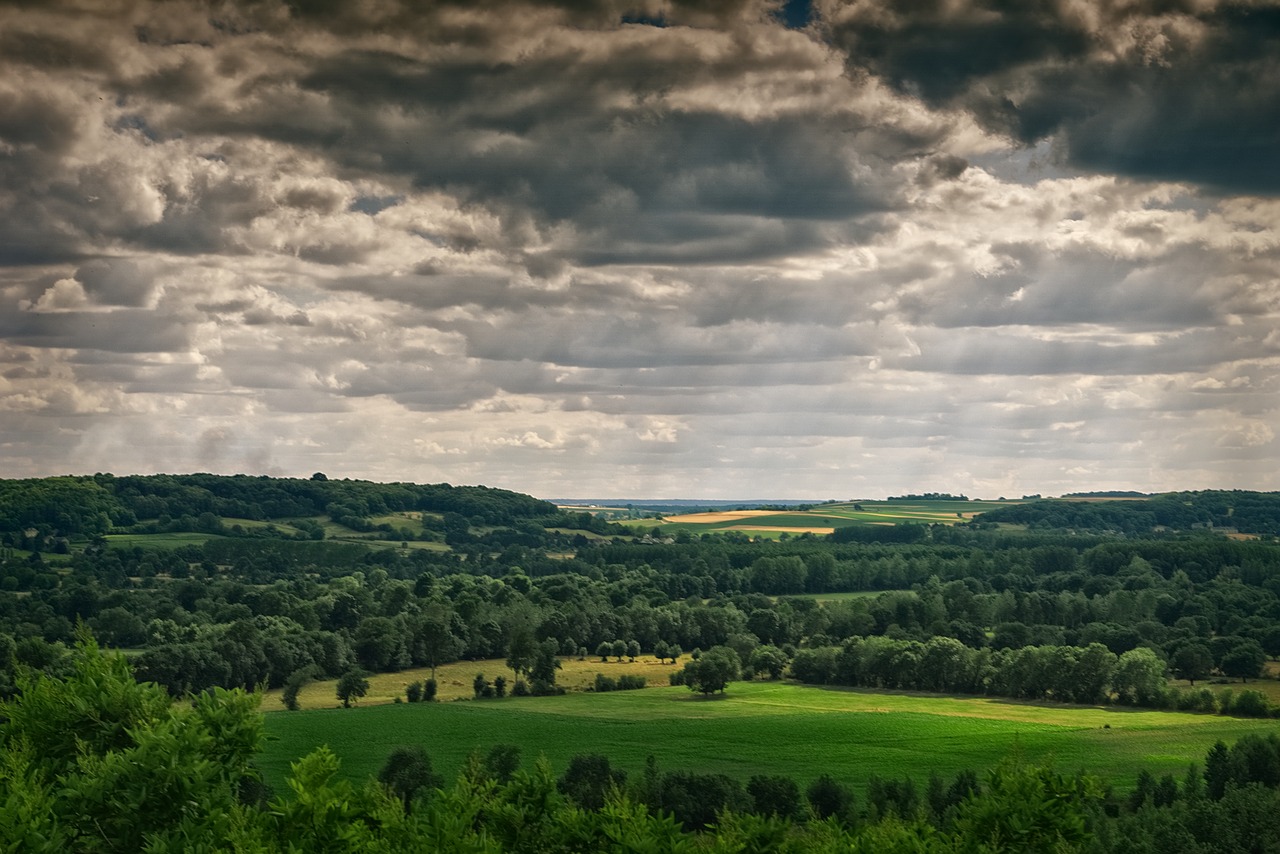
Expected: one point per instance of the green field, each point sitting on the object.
(160, 541)
(763, 728)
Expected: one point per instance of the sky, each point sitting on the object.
(695, 249)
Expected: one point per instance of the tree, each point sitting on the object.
(1139, 677)
(1027, 808)
(522, 646)
(407, 772)
(589, 779)
(545, 664)
(829, 798)
(297, 680)
(433, 638)
(775, 795)
(1193, 661)
(352, 685)
(633, 649)
(713, 670)
(93, 756)
(1245, 660)
(768, 659)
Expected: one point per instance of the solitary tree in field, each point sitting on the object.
(352, 685)
(713, 670)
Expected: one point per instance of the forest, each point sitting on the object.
(217, 587)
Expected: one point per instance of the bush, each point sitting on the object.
(413, 692)
(1251, 704)
(605, 683)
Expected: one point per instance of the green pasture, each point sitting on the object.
(774, 728)
(160, 541)
(281, 526)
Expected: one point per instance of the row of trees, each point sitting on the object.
(1091, 674)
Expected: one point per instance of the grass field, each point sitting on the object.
(762, 728)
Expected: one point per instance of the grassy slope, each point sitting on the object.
(763, 728)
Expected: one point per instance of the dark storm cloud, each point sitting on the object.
(122, 331)
(567, 132)
(1181, 91)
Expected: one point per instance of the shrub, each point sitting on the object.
(1251, 704)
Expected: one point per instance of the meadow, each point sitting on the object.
(762, 727)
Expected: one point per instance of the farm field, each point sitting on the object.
(160, 541)
(775, 728)
(827, 517)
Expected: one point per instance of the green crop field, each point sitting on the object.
(755, 728)
(159, 541)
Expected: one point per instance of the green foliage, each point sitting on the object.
(829, 798)
(352, 685)
(713, 670)
(103, 763)
(1024, 809)
(589, 779)
(294, 685)
(408, 774)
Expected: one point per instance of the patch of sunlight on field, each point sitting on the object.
(454, 680)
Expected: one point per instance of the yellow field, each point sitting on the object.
(454, 680)
(784, 529)
(716, 518)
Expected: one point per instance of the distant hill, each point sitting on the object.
(90, 505)
(1224, 510)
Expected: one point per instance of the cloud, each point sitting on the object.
(1142, 89)
(670, 248)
